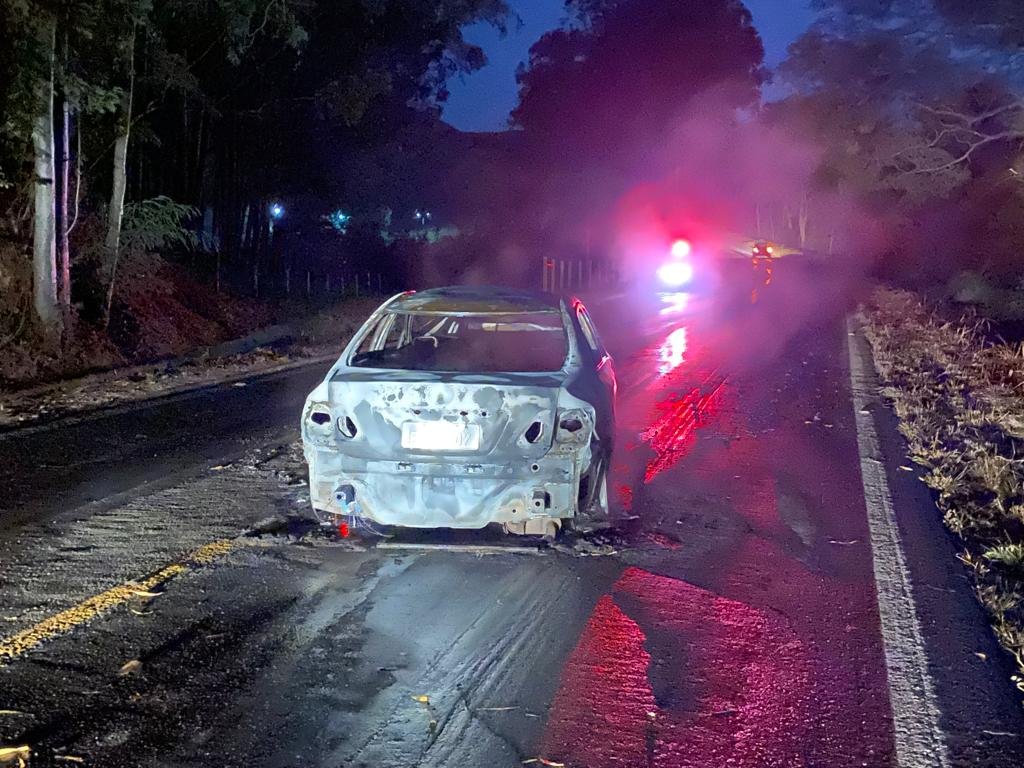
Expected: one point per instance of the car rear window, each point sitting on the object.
(520, 343)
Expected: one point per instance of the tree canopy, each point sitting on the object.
(218, 106)
(622, 71)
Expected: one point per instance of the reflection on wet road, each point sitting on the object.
(731, 621)
(754, 640)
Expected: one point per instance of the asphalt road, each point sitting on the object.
(752, 605)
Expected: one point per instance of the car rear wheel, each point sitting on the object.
(593, 493)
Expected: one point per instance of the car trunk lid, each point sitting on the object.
(417, 416)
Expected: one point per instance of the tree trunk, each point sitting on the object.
(63, 214)
(115, 216)
(44, 263)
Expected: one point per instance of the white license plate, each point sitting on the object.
(440, 436)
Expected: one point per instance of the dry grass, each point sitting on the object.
(960, 401)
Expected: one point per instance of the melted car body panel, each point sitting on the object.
(427, 448)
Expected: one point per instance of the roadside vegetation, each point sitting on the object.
(959, 393)
(159, 158)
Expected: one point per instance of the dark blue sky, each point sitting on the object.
(482, 101)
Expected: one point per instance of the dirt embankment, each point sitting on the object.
(160, 310)
(320, 336)
(959, 396)
(168, 331)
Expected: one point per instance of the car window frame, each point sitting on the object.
(374, 327)
(591, 336)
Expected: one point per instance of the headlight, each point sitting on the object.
(675, 273)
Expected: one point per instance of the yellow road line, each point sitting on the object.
(65, 621)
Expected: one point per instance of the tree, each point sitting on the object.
(919, 117)
(220, 106)
(626, 69)
(115, 211)
(945, 72)
(44, 272)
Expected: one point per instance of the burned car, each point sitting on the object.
(461, 407)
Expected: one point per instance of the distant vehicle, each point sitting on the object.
(461, 407)
(677, 271)
(762, 251)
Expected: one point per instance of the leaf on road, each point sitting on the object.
(542, 761)
(69, 758)
(421, 699)
(130, 668)
(12, 712)
(15, 755)
(145, 594)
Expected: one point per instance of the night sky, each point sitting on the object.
(482, 101)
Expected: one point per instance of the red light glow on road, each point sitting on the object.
(670, 675)
(670, 435)
(599, 714)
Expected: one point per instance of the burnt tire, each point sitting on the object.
(592, 499)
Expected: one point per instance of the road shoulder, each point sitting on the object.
(981, 714)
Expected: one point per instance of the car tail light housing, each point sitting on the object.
(534, 432)
(573, 426)
(347, 427)
(319, 417)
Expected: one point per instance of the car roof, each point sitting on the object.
(475, 299)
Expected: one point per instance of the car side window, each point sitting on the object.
(590, 333)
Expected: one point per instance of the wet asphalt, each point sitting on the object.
(728, 618)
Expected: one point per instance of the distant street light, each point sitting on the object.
(276, 212)
(339, 220)
(422, 216)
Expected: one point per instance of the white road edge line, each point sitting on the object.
(919, 739)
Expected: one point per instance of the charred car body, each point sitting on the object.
(460, 407)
